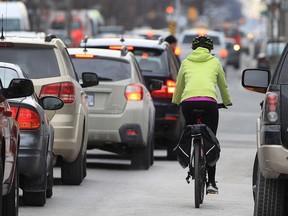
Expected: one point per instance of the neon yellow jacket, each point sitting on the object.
(199, 75)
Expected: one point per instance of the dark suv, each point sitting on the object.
(270, 173)
(157, 61)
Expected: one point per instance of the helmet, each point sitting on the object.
(202, 41)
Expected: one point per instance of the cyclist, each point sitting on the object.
(198, 76)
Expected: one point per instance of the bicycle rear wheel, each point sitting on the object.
(199, 182)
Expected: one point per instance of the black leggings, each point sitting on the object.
(209, 118)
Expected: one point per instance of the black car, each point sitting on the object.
(156, 61)
(270, 172)
(35, 155)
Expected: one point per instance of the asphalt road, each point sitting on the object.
(111, 188)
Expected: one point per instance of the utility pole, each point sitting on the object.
(68, 18)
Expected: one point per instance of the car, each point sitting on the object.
(9, 143)
(186, 37)
(270, 53)
(270, 169)
(35, 155)
(156, 61)
(234, 53)
(47, 63)
(121, 109)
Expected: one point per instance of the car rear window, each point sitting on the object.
(36, 63)
(152, 60)
(189, 38)
(107, 69)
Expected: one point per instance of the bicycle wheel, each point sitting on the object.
(199, 166)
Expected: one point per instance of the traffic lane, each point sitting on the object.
(117, 190)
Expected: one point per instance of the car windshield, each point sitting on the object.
(189, 38)
(6, 75)
(107, 69)
(36, 63)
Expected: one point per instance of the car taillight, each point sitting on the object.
(166, 91)
(134, 92)
(63, 90)
(272, 106)
(27, 119)
(223, 53)
(177, 51)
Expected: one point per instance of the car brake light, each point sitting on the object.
(271, 106)
(84, 56)
(166, 91)
(223, 53)
(134, 92)
(6, 44)
(63, 90)
(27, 119)
(120, 47)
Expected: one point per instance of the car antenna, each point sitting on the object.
(85, 43)
(2, 30)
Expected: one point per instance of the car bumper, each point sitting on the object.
(114, 129)
(272, 156)
(68, 135)
(32, 154)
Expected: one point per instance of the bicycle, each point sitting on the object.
(197, 159)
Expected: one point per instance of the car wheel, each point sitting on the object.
(85, 165)
(72, 173)
(269, 196)
(10, 202)
(254, 176)
(152, 151)
(49, 189)
(34, 198)
(171, 154)
(140, 158)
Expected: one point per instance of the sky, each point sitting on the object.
(252, 8)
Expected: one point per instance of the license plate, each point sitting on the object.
(90, 100)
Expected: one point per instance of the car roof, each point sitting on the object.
(32, 41)
(100, 52)
(157, 44)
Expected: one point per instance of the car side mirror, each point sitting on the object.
(51, 103)
(89, 79)
(155, 84)
(19, 87)
(256, 80)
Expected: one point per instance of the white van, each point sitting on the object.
(15, 16)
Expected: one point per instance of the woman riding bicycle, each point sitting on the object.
(195, 88)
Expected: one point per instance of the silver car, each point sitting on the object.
(121, 110)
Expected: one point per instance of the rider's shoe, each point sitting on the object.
(211, 188)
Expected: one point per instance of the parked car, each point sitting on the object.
(234, 53)
(47, 63)
(186, 37)
(156, 61)
(36, 139)
(121, 110)
(9, 143)
(270, 53)
(270, 170)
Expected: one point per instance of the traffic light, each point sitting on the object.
(172, 27)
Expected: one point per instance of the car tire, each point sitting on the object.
(10, 201)
(270, 195)
(254, 176)
(140, 158)
(72, 173)
(152, 151)
(32, 198)
(171, 154)
(85, 165)
(49, 189)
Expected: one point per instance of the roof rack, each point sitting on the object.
(160, 40)
(49, 37)
(124, 51)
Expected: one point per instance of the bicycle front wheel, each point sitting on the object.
(199, 182)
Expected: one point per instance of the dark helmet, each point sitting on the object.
(202, 41)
